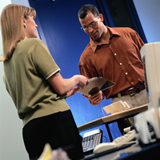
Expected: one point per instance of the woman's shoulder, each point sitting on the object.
(30, 43)
(33, 40)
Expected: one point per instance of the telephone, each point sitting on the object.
(90, 140)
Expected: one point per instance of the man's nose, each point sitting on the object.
(90, 29)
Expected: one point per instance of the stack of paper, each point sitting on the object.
(116, 107)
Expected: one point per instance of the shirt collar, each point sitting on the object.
(94, 44)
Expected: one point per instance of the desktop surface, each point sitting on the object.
(134, 152)
(113, 117)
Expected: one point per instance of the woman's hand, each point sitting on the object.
(83, 81)
(72, 92)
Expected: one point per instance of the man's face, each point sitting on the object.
(92, 25)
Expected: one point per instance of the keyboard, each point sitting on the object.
(126, 139)
(91, 140)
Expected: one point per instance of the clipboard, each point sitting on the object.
(96, 84)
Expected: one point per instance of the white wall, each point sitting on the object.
(11, 142)
(149, 11)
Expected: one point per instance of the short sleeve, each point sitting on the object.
(43, 61)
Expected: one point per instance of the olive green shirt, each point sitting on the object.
(25, 77)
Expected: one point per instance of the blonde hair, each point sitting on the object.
(12, 27)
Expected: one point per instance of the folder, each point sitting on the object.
(96, 84)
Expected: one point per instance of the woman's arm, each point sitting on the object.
(62, 86)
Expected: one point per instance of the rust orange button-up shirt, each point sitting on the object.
(118, 61)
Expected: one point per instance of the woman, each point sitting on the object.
(33, 80)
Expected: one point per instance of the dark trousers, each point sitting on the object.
(59, 130)
(123, 123)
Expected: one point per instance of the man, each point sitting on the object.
(113, 53)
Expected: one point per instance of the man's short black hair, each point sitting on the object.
(84, 10)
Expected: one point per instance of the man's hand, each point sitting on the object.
(96, 98)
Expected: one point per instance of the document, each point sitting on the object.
(96, 84)
(116, 107)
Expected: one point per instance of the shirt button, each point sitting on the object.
(126, 73)
(115, 54)
(131, 82)
(120, 63)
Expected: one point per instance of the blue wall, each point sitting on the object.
(59, 28)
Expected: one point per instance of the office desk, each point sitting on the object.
(150, 152)
(112, 118)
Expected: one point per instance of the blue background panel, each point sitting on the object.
(59, 28)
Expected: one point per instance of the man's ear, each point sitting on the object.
(101, 17)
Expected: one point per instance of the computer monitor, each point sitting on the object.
(150, 54)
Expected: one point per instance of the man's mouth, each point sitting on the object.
(94, 34)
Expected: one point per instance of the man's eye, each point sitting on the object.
(92, 24)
